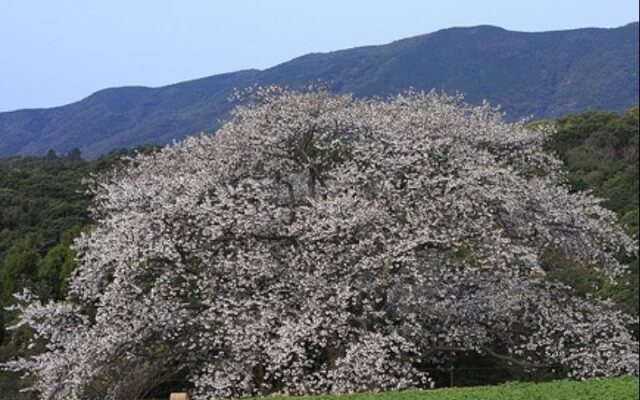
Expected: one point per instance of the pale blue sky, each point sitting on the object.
(53, 52)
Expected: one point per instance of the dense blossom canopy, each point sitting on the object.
(318, 243)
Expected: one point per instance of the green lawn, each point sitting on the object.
(625, 388)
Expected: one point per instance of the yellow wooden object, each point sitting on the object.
(179, 396)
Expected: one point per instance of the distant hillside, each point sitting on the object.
(545, 74)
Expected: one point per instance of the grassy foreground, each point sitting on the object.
(625, 388)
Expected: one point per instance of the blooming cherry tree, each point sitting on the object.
(318, 243)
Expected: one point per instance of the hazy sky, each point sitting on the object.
(53, 52)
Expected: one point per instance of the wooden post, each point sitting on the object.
(179, 396)
(451, 376)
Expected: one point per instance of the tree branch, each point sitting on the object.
(450, 349)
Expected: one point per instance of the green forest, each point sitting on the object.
(43, 207)
(600, 152)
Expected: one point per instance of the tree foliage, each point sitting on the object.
(43, 207)
(600, 153)
(318, 243)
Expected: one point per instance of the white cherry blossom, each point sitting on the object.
(318, 243)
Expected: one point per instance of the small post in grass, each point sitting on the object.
(451, 376)
(179, 396)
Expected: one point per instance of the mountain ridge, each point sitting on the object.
(539, 74)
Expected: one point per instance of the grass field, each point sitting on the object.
(625, 388)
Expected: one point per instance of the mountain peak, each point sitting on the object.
(540, 74)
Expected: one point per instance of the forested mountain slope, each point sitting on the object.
(542, 74)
